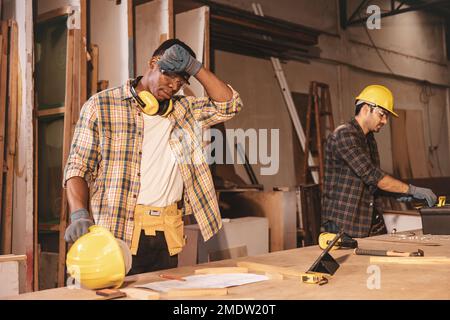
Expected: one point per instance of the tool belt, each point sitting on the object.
(167, 219)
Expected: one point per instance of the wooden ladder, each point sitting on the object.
(319, 104)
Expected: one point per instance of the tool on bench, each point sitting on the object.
(109, 294)
(324, 265)
(385, 253)
(346, 241)
(441, 201)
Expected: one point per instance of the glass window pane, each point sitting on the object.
(50, 53)
(50, 139)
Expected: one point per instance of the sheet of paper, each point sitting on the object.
(206, 281)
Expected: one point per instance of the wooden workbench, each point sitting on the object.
(349, 281)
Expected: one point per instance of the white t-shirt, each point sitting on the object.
(161, 181)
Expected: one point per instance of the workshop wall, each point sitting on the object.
(411, 45)
(109, 30)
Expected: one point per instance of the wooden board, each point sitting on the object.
(11, 140)
(94, 72)
(400, 154)
(3, 94)
(13, 257)
(83, 54)
(411, 260)
(270, 269)
(190, 28)
(196, 292)
(152, 21)
(415, 138)
(224, 270)
(141, 294)
(69, 102)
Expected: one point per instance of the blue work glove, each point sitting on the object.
(422, 194)
(80, 223)
(176, 59)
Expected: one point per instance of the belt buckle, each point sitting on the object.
(154, 213)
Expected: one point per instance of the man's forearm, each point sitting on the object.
(217, 90)
(77, 193)
(390, 184)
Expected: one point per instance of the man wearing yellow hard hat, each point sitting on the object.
(352, 174)
(134, 168)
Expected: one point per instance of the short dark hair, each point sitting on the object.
(168, 43)
(360, 104)
(358, 107)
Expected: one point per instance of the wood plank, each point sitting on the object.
(415, 138)
(3, 95)
(76, 81)
(400, 155)
(196, 292)
(60, 12)
(402, 212)
(152, 20)
(270, 269)
(66, 148)
(207, 46)
(223, 270)
(131, 37)
(13, 257)
(83, 54)
(11, 139)
(50, 112)
(48, 227)
(141, 294)
(411, 260)
(190, 28)
(94, 71)
(171, 17)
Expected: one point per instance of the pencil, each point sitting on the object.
(171, 277)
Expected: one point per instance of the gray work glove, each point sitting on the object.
(176, 59)
(423, 193)
(405, 198)
(80, 223)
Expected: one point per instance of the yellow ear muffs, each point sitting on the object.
(151, 105)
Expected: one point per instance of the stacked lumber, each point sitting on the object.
(9, 97)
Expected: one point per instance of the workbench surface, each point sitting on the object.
(397, 281)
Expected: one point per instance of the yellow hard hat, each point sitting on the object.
(378, 95)
(98, 260)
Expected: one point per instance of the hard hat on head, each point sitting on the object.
(379, 96)
(98, 260)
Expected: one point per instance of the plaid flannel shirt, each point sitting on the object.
(352, 172)
(106, 152)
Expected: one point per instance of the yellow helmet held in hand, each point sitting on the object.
(98, 260)
(378, 95)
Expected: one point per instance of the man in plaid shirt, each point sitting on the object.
(352, 170)
(136, 153)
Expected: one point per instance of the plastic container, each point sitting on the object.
(435, 220)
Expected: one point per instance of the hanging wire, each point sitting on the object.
(377, 49)
(425, 97)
